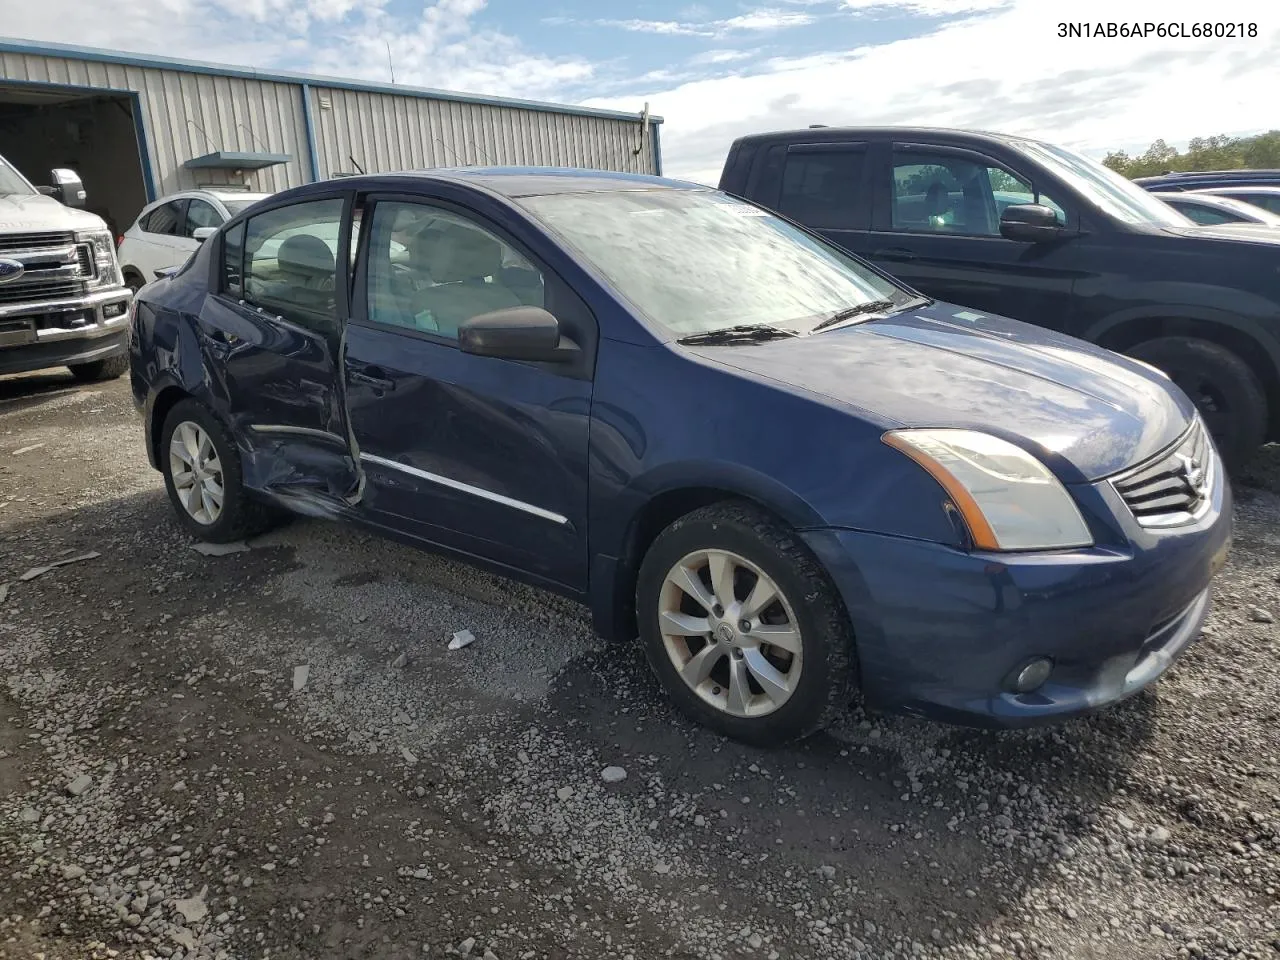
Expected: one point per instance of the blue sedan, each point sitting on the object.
(788, 474)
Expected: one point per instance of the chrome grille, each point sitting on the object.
(1174, 486)
(34, 241)
(56, 267)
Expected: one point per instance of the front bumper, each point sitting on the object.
(940, 631)
(63, 332)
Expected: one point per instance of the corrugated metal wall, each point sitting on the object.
(189, 114)
(385, 132)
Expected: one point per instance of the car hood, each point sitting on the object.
(1087, 412)
(19, 214)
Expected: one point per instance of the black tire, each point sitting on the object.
(108, 369)
(827, 650)
(1225, 389)
(241, 516)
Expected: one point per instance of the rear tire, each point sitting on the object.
(108, 369)
(1224, 388)
(733, 676)
(208, 454)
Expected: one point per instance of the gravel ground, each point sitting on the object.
(275, 754)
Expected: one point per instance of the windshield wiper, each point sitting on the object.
(873, 306)
(742, 333)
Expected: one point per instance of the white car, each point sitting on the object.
(169, 230)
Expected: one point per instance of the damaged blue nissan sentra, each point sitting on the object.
(788, 474)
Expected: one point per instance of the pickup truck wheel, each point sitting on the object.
(743, 627)
(1224, 388)
(107, 369)
(201, 468)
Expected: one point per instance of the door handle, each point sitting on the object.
(373, 377)
(892, 253)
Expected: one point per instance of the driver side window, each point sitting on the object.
(944, 193)
(430, 270)
(289, 258)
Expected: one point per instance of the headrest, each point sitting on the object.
(303, 253)
(935, 198)
(455, 252)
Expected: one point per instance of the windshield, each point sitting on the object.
(1109, 192)
(235, 206)
(694, 261)
(11, 182)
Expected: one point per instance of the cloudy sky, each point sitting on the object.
(715, 69)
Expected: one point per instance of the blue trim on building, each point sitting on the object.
(144, 148)
(27, 47)
(657, 148)
(308, 126)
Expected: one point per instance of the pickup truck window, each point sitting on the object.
(820, 189)
(943, 193)
(11, 182)
(1104, 188)
(694, 261)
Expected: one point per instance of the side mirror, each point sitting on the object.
(517, 333)
(165, 272)
(66, 189)
(1030, 223)
(201, 234)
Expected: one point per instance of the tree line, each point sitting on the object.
(1203, 153)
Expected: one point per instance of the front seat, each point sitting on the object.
(307, 265)
(460, 259)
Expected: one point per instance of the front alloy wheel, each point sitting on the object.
(743, 626)
(730, 632)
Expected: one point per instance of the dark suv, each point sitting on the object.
(1032, 231)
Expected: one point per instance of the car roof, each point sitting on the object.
(1262, 188)
(819, 132)
(509, 182)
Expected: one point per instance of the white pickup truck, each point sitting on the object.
(63, 301)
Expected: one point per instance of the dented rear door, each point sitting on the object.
(273, 332)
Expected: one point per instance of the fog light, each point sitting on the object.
(113, 310)
(1033, 675)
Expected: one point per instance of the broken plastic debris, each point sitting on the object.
(21, 450)
(40, 571)
(300, 675)
(409, 755)
(4, 592)
(220, 549)
(193, 909)
(461, 639)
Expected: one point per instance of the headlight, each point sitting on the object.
(1008, 498)
(103, 252)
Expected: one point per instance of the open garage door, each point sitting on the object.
(47, 126)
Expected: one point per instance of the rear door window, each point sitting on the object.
(167, 219)
(822, 187)
(288, 263)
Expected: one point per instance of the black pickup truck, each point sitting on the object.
(1036, 232)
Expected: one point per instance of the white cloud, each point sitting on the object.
(753, 21)
(1004, 69)
(923, 8)
(720, 56)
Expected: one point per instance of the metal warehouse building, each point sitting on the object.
(137, 128)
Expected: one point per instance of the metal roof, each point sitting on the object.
(71, 51)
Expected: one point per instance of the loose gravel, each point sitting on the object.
(275, 753)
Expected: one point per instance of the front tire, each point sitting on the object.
(109, 369)
(1221, 385)
(743, 627)
(201, 468)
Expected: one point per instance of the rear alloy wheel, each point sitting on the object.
(201, 470)
(108, 369)
(197, 473)
(1223, 387)
(743, 627)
